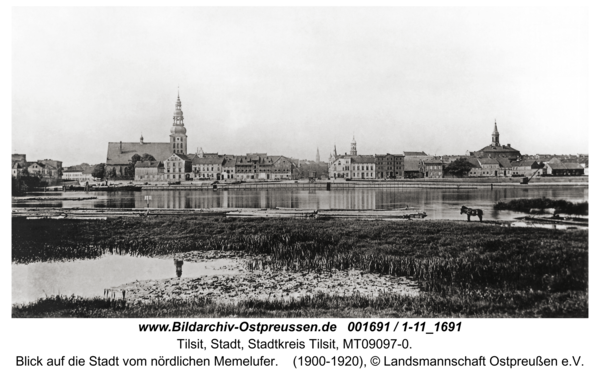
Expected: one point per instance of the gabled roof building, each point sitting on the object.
(119, 153)
(496, 150)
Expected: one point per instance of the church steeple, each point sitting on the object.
(353, 146)
(318, 158)
(495, 135)
(178, 131)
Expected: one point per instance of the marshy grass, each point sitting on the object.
(468, 269)
(487, 303)
(526, 204)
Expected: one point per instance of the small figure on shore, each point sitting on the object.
(178, 267)
(472, 212)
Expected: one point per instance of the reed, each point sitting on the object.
(453, 262)
(526, 204)
(487, 303)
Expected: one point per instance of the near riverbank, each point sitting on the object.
(461, 269)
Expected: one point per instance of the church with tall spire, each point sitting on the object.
(119, 154)
(497, 150)
(178, 132)
(495, 135)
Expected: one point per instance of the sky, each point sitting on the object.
(286, 81)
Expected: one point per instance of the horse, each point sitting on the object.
(472, 212)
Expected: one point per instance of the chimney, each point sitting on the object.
(508, 145)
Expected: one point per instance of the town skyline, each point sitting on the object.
(285, 82)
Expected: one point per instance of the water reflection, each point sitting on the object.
(89, 278)
(438, 203)
(178, 267)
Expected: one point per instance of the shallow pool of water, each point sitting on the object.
(89, 278)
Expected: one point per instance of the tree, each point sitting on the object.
(31, 181)
(459, 167)
(98, 171)
(135, 158)
(147, 158)
(130, 169)
(16, 186)
(112, 173)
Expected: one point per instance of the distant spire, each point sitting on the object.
(178, 114)
(495, 135)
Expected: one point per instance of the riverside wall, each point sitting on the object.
(465, 183)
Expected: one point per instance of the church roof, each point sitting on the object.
(121, 153)
(497, 149)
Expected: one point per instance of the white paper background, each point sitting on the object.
(516, 337)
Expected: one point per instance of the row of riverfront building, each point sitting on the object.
(171, 161)
(494, 160)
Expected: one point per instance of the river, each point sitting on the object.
(437, 203)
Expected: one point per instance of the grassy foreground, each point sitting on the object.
(464, 269)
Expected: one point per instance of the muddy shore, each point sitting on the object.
(259, 284)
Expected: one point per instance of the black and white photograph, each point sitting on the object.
(299, 162)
